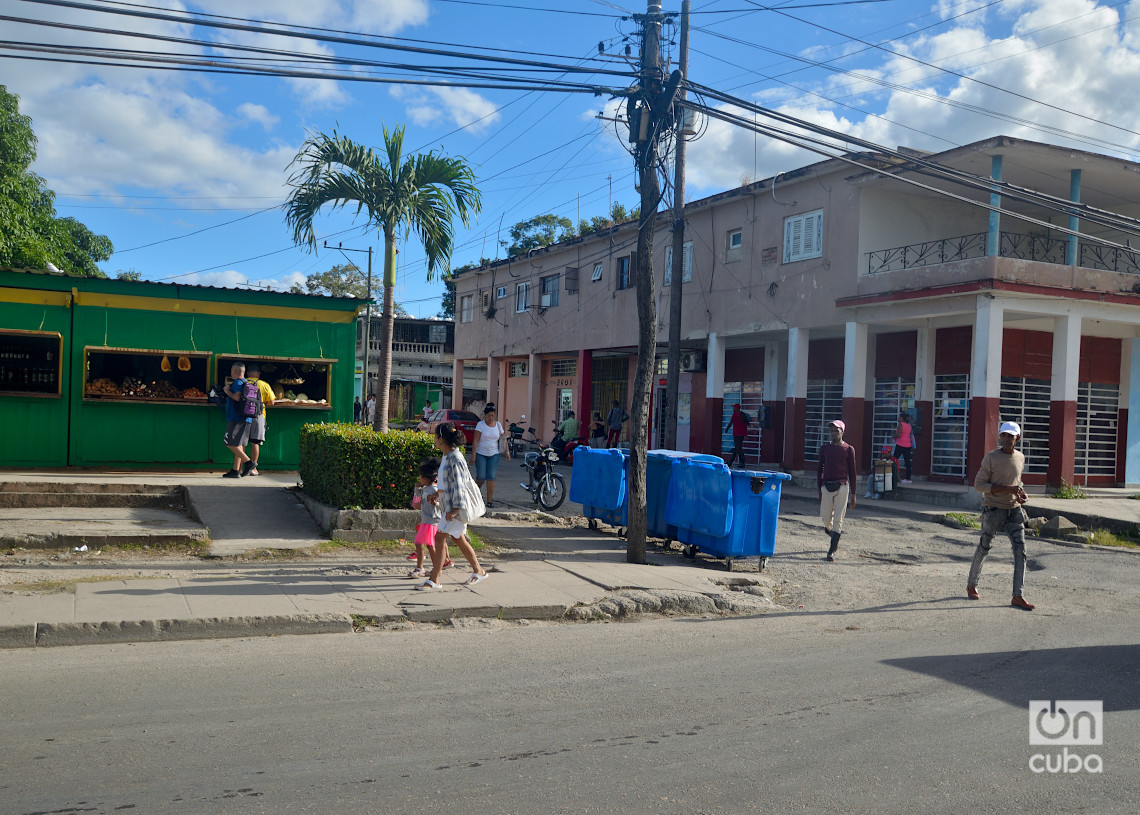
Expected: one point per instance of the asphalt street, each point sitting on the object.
(886, 692)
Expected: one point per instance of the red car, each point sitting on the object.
(465, 420)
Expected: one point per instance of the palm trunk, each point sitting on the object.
(388, 321)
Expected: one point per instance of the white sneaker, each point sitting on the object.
(906, 481)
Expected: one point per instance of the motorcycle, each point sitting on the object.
(545, 486)
(564, 447)
(514, 437)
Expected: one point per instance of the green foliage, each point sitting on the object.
(541, 230)
(599, 223)
(349, 465)
(342, 280)
(1103, 537)
(128, 274)
(447, 304)
(965, 519)
(31, 236)
(1067, 490)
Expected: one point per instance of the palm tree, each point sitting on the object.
(421, 194)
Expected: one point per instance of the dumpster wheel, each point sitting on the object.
(762, 564)
(728, 564)
(593, 523)
(689, 551)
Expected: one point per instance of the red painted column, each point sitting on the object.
(924, 444)
(585, 389)
(982, 436)
(795, 429)
(772, 439)
(857, 435)
(1062, 443)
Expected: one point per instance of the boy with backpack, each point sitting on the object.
(738, 421)
(258, 425)
(239, 418)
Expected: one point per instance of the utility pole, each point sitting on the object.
(645, 124)
(672, 382)
(367, 315)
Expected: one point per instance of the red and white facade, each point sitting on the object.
(852, 295)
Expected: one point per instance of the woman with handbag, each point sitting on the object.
(489, 439)
(462, 504)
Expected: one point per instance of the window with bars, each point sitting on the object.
(803, 236)
(1026, 401)
(892, 396)
(1097, 412)
(824, 405)
(950, 421)
(563, 368)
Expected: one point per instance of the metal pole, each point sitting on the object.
(672, 382)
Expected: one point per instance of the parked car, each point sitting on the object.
(465, 420)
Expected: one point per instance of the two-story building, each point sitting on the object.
(423, 353)
(834, 292)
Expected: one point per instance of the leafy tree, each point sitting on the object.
(342, 280)
(422, 193)
(541, 230)
(447, 304)
(31, 235)
(599, 223)
(128, 274)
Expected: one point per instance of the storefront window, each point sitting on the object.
(138, 375)
(296, 383)
(29, 363)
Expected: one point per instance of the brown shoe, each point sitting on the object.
(972, 592)
(1020, 602)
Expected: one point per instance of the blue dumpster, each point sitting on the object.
(658, 474)
(599, 482)
(753, 508)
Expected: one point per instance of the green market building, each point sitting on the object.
(115, 373)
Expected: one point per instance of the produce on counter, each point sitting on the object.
(132, 386)
(103, 387)
(193, 393)
(163, 390)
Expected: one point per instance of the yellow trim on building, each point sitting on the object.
(35, 297)
(160, 304)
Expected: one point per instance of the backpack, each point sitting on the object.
(746, 417)
(250, 399)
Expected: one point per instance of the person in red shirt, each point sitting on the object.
(739, 424)
(836, 480)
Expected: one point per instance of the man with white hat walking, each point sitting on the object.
(999, 480)
(835, 478)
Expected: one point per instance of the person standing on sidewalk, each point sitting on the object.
(999, 480)
(258, 426)
(357, 408)
(614, 420)
(461, 503)
(485, 451)
(738, 421)
(904, 443)
(836, 479)
(237, 423)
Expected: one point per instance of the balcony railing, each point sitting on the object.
(412, 349)
(1011, 245)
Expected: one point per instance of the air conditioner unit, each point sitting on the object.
(693, 361)
(547, 300)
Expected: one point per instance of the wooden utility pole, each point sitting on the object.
(672, 382)
(644, 131)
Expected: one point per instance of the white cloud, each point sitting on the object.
(233, 279)
(457, 106)
(1084, 63)
(258, 114)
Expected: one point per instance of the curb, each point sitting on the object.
(102, 633)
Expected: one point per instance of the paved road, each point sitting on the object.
(911, 703)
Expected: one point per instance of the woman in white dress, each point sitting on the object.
(485, 451)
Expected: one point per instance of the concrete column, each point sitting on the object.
(493, 392)
(772, 438)
(714, 377)
(924, 395)
(1074, 222)
(985, 383)
(1063, 399)
(534, 395)
(993, 240)
(456, 385)
(585, 393)
(855, 351)
(795, 398)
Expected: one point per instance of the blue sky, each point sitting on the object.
(188, 162)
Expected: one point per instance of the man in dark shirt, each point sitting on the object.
(836, 480)
(237, 424)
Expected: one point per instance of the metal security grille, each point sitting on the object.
(892, 396)
(948, 435)
(750, 397)
(1026, 401)
(610, 381)
(1097, 411)
(563, 368)
(824, 404)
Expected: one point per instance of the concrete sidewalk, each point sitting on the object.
(329, 598)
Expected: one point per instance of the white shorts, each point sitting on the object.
(454, 528)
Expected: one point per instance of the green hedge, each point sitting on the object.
(347, 465)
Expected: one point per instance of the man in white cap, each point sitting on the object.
(836, 479)
(999, 480)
